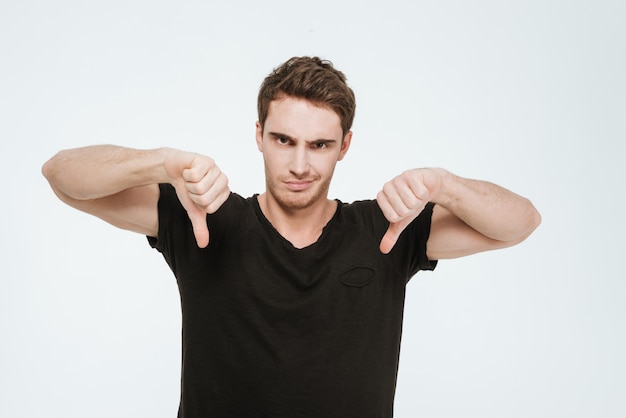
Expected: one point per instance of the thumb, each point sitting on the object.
(200, 228)
(196, 215)
(393, 233)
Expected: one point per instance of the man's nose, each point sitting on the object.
(300, 161)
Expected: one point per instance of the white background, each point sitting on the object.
(530, 95)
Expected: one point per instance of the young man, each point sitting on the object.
(292, 303)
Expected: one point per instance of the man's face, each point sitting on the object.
(301, 144)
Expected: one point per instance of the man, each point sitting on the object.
(292, 303)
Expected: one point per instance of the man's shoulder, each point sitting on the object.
(362, 213)
(240, 202)
(360, 207)
(168, 193)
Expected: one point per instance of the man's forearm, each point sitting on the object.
(493, 211)
(103, 170)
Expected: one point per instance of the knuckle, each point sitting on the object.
(222, 181)
(404, 212)
(203, 201)
(216, 203)
(192, 188)
(395, 218)
(388, 187)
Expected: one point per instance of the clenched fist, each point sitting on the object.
(200, 186)
(403, 198)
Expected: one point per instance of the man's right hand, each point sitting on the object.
(200, 186)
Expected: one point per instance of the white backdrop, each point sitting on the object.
(529, 95)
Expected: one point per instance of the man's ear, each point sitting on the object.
(259, 136)
(345, 145)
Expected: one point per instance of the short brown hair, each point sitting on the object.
(313, 79)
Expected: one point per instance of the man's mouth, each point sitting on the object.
(297, 185)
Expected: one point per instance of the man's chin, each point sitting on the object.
(296, 200)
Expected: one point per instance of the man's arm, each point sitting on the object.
(120, 185)
(470, 216)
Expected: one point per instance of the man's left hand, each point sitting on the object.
(403, 198)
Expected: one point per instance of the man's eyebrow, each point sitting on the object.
(326, 141)
(285, 136)
(280, 135)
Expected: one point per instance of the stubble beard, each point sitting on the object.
(293, 201)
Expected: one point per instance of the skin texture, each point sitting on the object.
(301, 144)
(200, 186)
(470, 216)
(120, 185)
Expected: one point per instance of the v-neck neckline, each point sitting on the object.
(266, 222)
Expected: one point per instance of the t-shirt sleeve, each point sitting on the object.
(413, 242)
(174, 226)
(175, 239)
(408, 255)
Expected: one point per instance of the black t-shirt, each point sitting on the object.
(270, 330)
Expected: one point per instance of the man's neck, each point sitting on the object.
(301, 227)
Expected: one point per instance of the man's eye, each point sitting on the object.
(282, 140)
(320, 145)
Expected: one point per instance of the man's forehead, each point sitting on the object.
(303, 120)
(292, 107)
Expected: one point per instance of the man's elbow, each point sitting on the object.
(527, 225)
(47, 169)
(51, 168)
(534, 218)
